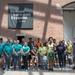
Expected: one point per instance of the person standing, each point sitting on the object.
(65, 53)
(50, 53)
(9, 40)
(25, 53)
(42, 52)
(30, 44)
(60, 50)
(69, 52)
(8, 54)
(17, 54)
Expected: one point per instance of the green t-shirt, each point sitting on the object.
(42, 50)
(1, 49)
(26, 49)
(8, 50)
(17, 48)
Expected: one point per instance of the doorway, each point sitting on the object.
(69, 21)
(19, 37)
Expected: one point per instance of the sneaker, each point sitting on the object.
(38, 69)
(52, 69)
(5, 71)
(59, 68)
(26, 70)
(73, 68)
(62, 68)
(33, 69)
(9, 70)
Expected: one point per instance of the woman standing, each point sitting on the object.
(7, 54)
(61, 50)
(69, 52)
(50, 53)
(42, 52)
(25, 53)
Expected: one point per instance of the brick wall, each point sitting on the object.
(48, 21)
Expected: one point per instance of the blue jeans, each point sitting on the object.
(17, 59)
(7, 63)
(45, 62)
(41, 61)
(61, 60)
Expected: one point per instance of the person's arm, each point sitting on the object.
(19, 51)
(22, 52)
(40, 52)
(6, 54)
(32, 51)
(14, 52)
(27, 52)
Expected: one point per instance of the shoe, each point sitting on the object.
(5, 71)
(52, 69)
(26, 70)
(62, 68)
(73, 68)
(59, 68)
(49, 69)
(38, 69)
(33, 69)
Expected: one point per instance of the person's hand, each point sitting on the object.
(7, 55)
(17, 54)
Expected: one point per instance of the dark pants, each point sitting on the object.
(25, 60)
(61, 60)
(7, 63)
(64, 59)
(17, 59)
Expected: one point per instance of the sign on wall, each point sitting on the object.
(20, 16)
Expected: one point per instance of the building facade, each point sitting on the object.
(47, 20)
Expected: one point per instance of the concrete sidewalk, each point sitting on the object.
(56, 71)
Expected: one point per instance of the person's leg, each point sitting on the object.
(62, 60)
(6, 63)
(59, 57)
(36, 61)
(41, 61)
(29, 60)
(1, 62)
(9, 63)
(23, 61)
(33, 61)
(19, 61)
(15, 62)
(26, 62)
(73, 62)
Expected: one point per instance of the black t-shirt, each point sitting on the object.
(60, 49)
(31, 44)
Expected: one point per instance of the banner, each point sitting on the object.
(20, 16)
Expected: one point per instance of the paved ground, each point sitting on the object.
(66, 71)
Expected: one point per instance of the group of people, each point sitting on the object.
(36, 54)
